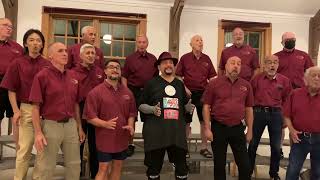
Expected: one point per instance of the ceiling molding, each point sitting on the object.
(125, 3)
(246, 12)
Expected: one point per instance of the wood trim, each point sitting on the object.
(85, 12)
(45, 29)
(220, 43)
(10, 8)
(314, 37)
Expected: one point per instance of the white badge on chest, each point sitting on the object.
(170, 90)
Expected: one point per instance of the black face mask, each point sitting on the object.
(290, 44)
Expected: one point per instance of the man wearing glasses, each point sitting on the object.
(9, 50)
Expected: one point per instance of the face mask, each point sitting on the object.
(290, 44)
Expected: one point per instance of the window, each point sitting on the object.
(116, 32)
(254, 39)
(257, 35)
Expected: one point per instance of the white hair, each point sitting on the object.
(86, 46)
(84, 29)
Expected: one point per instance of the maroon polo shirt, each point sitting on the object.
(270, 92)
(9, 50)
(293, 65)
(248, 56)
(87, 78)
(105, 103)
(74, 56)
(195, 72)
(56, 92)
(228, 100)
(139, 68)
(20, 75)
(303, 110)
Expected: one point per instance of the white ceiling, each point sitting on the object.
(281, 6)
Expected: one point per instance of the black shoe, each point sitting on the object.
(281, 154)
(130, 150)
(276, 177)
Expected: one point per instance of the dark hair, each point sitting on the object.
(109, 61)
(27, 34)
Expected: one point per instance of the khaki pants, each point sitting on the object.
(64, 136)
(26, 139)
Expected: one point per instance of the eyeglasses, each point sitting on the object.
(113, 67)
(7, 26)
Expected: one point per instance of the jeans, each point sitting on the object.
(298, 153)
(273, 120)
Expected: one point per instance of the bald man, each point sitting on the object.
(89, 36)
(137, 71)
(293, 62)
(54, 98)
(249, 58)
(195, 69)
(9, 50)
(227, 101)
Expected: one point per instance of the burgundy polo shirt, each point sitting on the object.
(9, 50)
(105, 103)
(228, 100)
(248, 56)
(139, 68)
(20, 75)
(270, 92)
(303, 110)
(195, 72)
(88, 78)
(56, 92)
(74, 56)
(293, 65)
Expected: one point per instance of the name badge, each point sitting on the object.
(171, 114)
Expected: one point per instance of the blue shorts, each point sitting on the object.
(107, 157)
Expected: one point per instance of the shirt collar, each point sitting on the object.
(110, 86)
(54, 69)
(274, 77)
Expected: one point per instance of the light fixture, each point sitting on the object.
(107, 38)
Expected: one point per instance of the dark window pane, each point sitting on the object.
(73, 28)
(118, 30)
(59, 27)
(59, 39)
(254, 40)
(117, 48)
(71, 41)
(246, 41)
(105, 28)
(130, 33)
(129, 48)
(106, 48)
(84, 23)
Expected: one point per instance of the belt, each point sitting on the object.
(64, 120)
(309, 135)
(266, 109)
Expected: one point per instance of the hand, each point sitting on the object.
(189, 107)
(129, 128)
(248, 136)
(294, 134)
(40, 142)
(16, 118)
(82, 135)
(157, 110)
(208, 133)
(111, 124)
(188, 92)
(188, 130)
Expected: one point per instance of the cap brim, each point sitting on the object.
(175, 61)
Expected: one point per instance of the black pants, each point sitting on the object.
(222, 136)
(154, 161)
(196, 100)
(89, 130)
